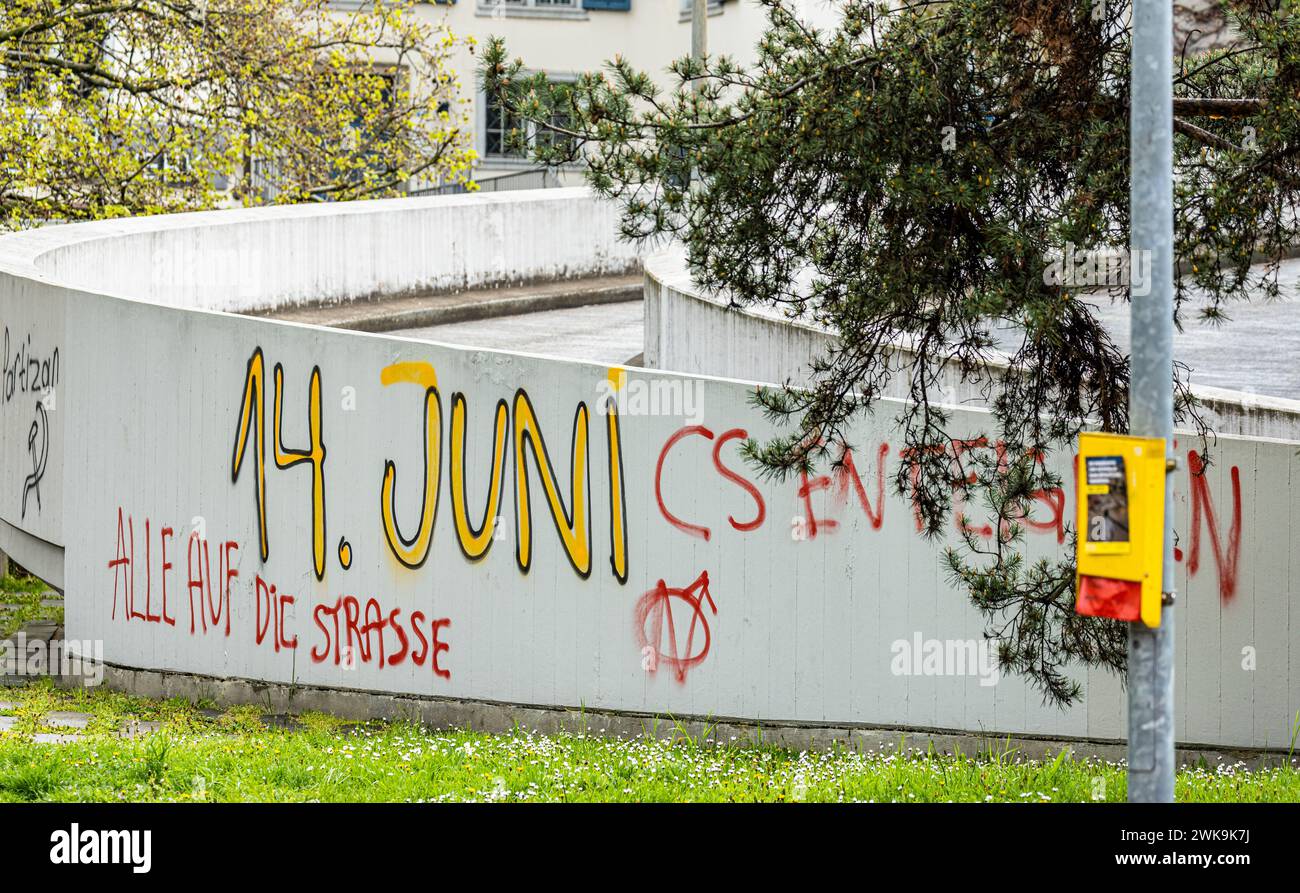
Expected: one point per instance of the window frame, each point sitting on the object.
(530, 9)
(686, 11)
(512, 161)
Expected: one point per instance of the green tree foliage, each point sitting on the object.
(905, 179)
(116, 107)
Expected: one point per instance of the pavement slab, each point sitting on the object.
(136, 728)
(67, 719)
(54, 738)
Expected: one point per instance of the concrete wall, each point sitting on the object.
(256, 260)
(1200, 26)
(271, 258)
(1258, 465)
(689, 331)
(275, 502)
(32, 431)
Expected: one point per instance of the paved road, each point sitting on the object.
(1257, 350)
(603, 333)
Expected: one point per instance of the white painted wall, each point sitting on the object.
(1257, 465)
(804, 625)
(32, 413)
(250, 260)
(275, 257)
(689, 331)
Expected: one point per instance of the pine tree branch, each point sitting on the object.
(1204, 136)
(1223, 108)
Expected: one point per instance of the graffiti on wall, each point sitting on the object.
(538, 467)
(30, 375)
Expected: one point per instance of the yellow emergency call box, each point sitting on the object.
(1120, 515)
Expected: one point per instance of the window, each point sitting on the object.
(355, 5)
(497, 127)
(499, 123)
(565, 9)
(687, 9)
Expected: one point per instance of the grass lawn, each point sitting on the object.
(20, 603)
(236, 757)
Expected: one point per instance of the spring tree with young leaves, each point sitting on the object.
(117, 107)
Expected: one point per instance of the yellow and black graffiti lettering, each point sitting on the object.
(250, 415)
(617, 495)
(573, 527)
(414, 551)
(475, 541)
(315, 454)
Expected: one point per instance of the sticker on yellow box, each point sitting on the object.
(1107, 505)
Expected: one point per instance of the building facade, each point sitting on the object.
(565, 38)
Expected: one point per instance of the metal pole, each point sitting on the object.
(1151, 651)
(699, 49)
(699, 33)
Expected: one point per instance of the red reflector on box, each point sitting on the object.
(1102, 597)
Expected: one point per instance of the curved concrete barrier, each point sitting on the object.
(270, 505)
(262, 260)
(690, 331)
